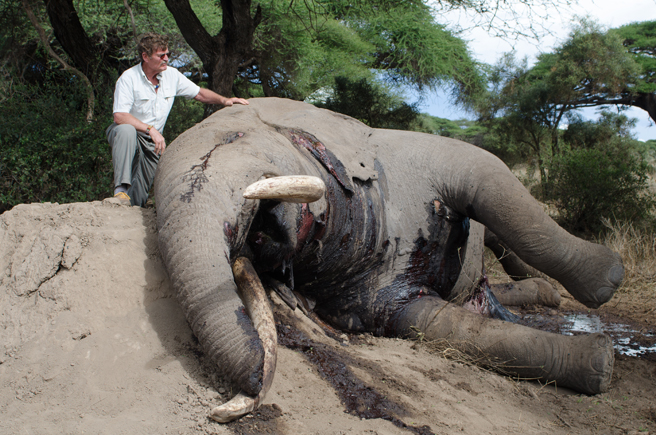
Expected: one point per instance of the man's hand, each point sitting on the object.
(156, 136)
(235, 100)
(160, 143)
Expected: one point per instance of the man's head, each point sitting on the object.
(154, 52)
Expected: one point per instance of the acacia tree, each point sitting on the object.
(291, 49)
(595, 67)
(230, 49)
(529, 105)
(640, 40)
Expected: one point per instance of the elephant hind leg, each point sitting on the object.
(532, 291)
(481, 187)
(583, 363)
(511, 263)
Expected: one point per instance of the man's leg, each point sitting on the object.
(123, 141)
(134, 161)
(143, 171)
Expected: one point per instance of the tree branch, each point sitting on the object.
(44, 40)
(134, 26)
(192, 29)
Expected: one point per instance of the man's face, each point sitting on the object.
(158, 61)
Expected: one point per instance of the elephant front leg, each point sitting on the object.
(583, 363)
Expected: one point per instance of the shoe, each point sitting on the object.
(123, 198)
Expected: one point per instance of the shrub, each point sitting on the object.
(49, 153)
(588, 185)
(370, 102)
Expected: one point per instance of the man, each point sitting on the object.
(143, 98)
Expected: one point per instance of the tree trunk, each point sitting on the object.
(223, 53)
(71, 35)
(91, 99)
(646, 102)
(93, 60)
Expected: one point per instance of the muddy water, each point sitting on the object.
(628, 339)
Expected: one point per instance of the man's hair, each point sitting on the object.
(151, 42)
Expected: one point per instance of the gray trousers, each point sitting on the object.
(134, 160)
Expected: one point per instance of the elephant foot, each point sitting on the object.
(532, 291)
(597, 278)
(587, 365)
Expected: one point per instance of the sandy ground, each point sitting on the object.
(95, 343)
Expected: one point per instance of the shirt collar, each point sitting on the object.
(143, 74)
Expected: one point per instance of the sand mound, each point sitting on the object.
(95, 343)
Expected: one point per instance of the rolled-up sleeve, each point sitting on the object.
(185, 87)
(123, 95)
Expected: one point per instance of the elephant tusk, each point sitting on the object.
(259, 310)
(236, 407)
(289, 188)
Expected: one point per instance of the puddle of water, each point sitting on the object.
(623, 335)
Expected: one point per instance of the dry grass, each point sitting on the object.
(637, 247)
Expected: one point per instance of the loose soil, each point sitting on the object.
(95, 343)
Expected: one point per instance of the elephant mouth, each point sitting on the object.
(271, 241)
(282, 223)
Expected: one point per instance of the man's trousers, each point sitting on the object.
(134, 160)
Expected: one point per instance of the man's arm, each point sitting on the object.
(156, 136)
(209, 97)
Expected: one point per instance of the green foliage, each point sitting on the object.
(49, 151)
(640, 40)
(600, 175)
(184, 115)
(526, 106)
(588, 185)
(462, 129)
(370, 103)
(300, 51)
(302, 46)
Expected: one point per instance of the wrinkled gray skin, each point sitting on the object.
(397, 234)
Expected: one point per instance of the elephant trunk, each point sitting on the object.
(259, 310)
(196, 240)
(583, 363)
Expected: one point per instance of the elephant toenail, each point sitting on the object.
(616, 274)
(604, 294)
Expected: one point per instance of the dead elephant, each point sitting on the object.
(393, 237)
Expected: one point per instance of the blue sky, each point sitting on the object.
(488, 48)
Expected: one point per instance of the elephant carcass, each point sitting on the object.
(389, 248)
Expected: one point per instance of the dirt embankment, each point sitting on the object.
(94, 343)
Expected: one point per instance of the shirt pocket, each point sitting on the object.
(142, 101)
(168, 92)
